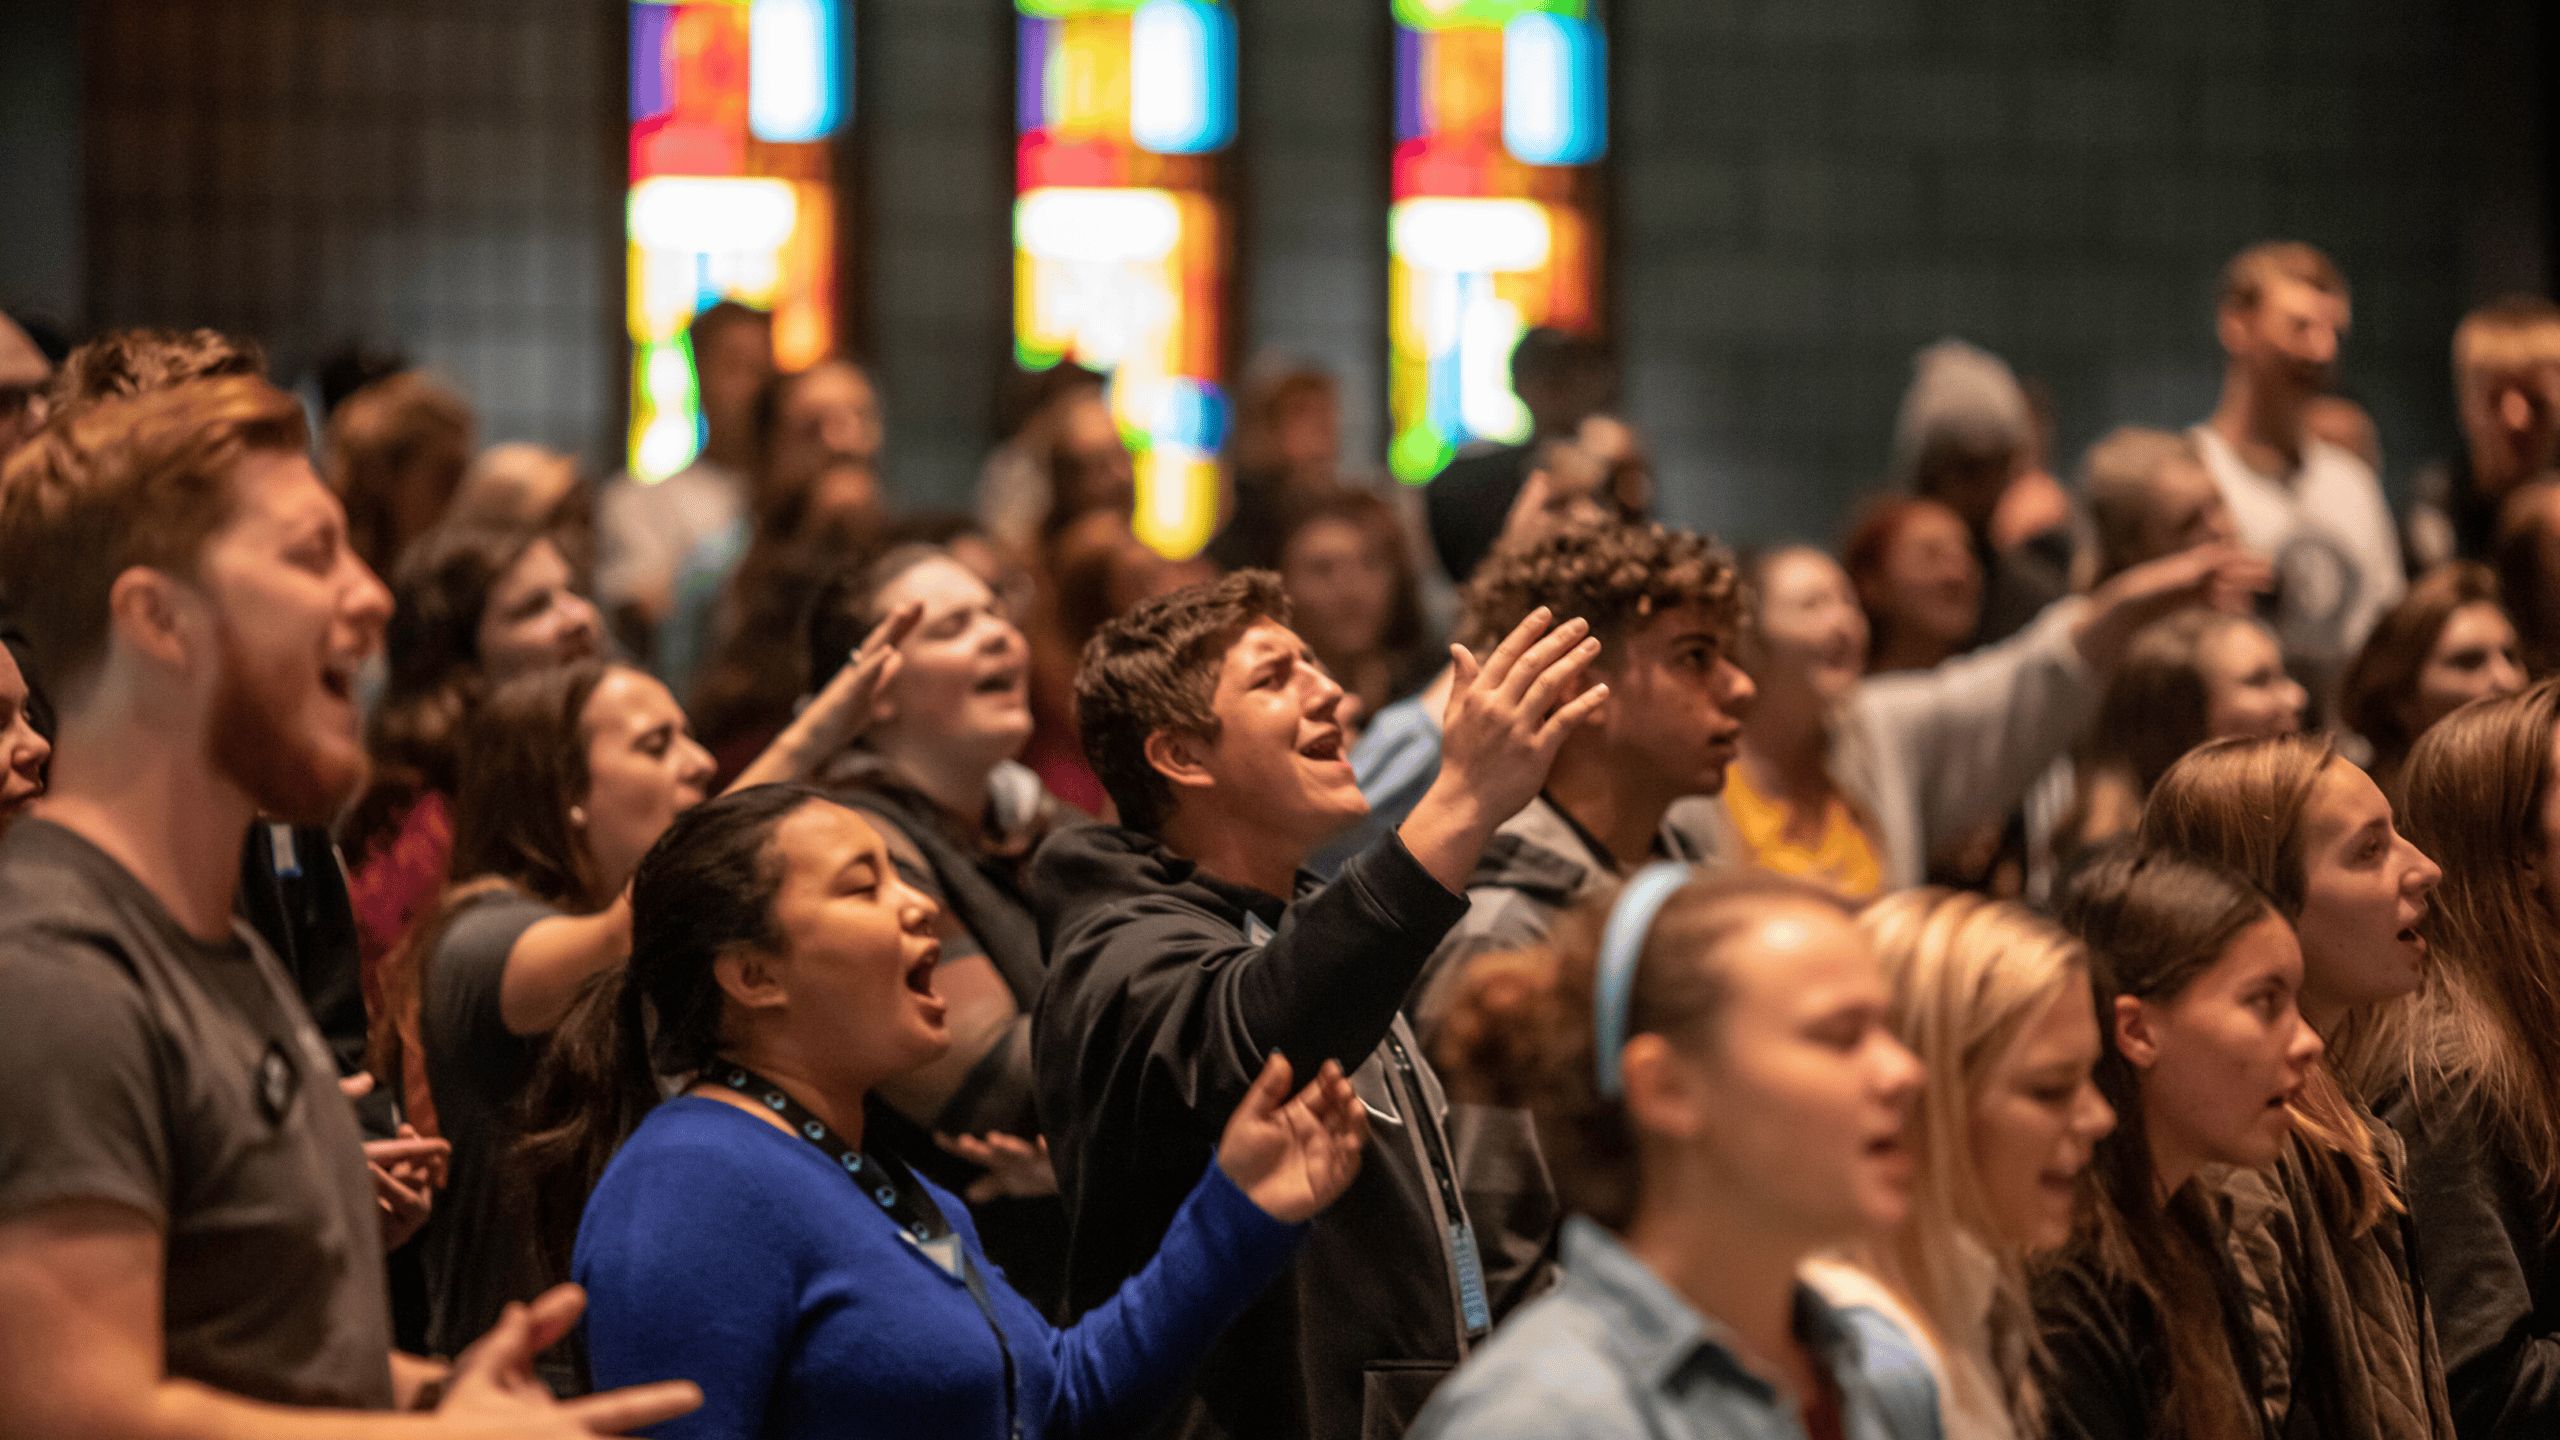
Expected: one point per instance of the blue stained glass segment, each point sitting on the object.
(1554, 89)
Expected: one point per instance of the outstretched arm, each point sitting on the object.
(1281, 1160)
(80, 1309)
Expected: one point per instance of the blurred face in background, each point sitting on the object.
(830, 417)
(2290, 338)
(962, 678)
(2247, 692)
(535, 617)
(23, 752)
(643, 769)
(1811, 631)
(1341, 587)
(2476, 656)
(733, 362)
(1929, 587)
(2186, 510)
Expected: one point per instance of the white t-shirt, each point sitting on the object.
(647, 531)
(2336, 553)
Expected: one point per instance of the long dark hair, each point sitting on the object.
(433, 650)
(2243, 803)
(2154, 921)
(706, 887)
(2473, 796)
(525, 765)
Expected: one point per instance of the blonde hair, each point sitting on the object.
(1967, 975)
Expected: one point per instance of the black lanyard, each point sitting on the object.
(886, 1181)
(891, 1187)
(1473, 1309)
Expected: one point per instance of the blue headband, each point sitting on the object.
(1621, 941)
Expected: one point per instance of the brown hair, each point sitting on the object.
(1873, 532)
(2116, 479)
(1521, 1032)
(2509, 334)
(1376, 521)
(2156, 706)
(378, 439)
(2242, 803)
(527, 764)
(2474, 793)
(1156, 668)
(2374, 697)
(2244, 279)
(1612, 576)
(434, 682)
(140, 481)
(126, 363)
(2154, 921)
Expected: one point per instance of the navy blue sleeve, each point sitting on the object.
(1128, 1358)
(685, 1282)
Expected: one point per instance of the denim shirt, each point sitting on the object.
(1614, 1352)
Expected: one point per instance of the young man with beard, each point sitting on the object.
(2317, 509)
(1186, 944)
(187, 1236)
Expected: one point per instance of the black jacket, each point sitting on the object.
(1167, 988)
(2489, 1260)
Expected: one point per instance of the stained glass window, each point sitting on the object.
(732, 195)
(1120, 235)
(1500, 120)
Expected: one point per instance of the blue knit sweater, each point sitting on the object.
(724, 1251)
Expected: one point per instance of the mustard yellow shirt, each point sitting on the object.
(1843, 858)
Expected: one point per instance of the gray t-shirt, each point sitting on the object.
(182, 1078)
(478, 1248)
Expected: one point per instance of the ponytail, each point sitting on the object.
(705, 888)
(592, 1088)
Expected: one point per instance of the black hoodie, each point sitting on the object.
(1167, 988)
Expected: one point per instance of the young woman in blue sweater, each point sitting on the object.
(741, 1235)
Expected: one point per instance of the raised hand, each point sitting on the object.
(2221, 575)
(1504, 722)
(494, 1391)
(839, 711)
(1294, 1155)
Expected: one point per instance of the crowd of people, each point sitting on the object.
(486, 952)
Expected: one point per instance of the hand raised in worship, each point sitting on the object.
(1294, 1155)
(493, 1390)
(2223, 576)
(1016, 1168)
(1506, 718)
(840, 710)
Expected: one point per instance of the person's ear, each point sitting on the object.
(750, 979)
(2136, 1040)
(2231, 327)
(1181, 757)
(1665, 1093)
(151, 611)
